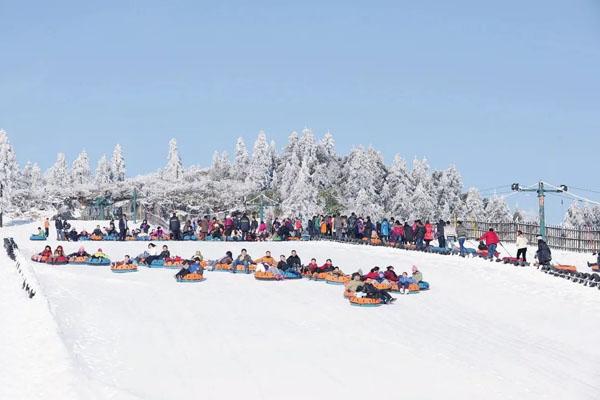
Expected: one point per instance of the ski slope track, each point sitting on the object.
(484, 330)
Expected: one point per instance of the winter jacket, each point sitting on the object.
(325, 267)
(245, 224)
(450, 231)
(243, 259)
(294, 261)
(385, 228)
(204, 225)
(282, 265)
(461, 231)
(405, 280)
(225, 260)
(490, 237)
(390, 276)
(58, 224)
(312, 267)
(122, 225)
(522, 242)
(428, 232)
(397, 231)
(408, 233)
(174, 224)
(265, 260)
(372, 275)
(193, 267)
(417, 276)
(440, 229)
(353, 286)
(420, 232)
(543, 254)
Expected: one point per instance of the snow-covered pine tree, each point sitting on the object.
(261, 167)
(448, 191)
(364, 171)
(577, 216)
(497, 210)
(241, 163)
(473, 209)
(220, 168)
(36, 177)
(80, 169)
(117, 167)
(173, 171)
(103, 175)
(422, 198)
(9, 169)
(58, 174)
(395, 193)
(303, 198)
(327, 168)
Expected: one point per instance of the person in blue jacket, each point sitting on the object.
(403, 282)
(385, 230)
(195, 266)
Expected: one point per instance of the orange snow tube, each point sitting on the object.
(337, 280)
(265, 276)
(241, 268)
(223, 267)
(413, 288)
(121, 267)
(349, 293)
(383, 286)
(564, 267)
(192, 277)
(376, 242)
(365, 302)
(96, 237)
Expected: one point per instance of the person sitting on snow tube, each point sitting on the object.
(416, 274)
(373, 293)
(99, 255)
(267, 260)
(327, 267)
(242, 259)
(337, 272)
(194, 266)
(355, 283)
(73, 236)
(390, 274)
(59, 252)
(97, 231)
(165, 253)
(294, 262)
(40, 233)
(84, 235)
(127, 260)
(311, 267)
(404, 282)
(282, 265)
(373, 274)
(79, 253)
(227, 259)
(198, 255)
(597, 263)
(47, 252)
(274, 269)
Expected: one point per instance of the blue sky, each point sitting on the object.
(508, 91)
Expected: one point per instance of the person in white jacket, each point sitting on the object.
(521, 246)
(450, 231)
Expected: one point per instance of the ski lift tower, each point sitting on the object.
(541, 192)
(261, 201)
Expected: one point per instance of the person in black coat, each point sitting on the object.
(122, 227)
(244, 226)
(543, 253)
(441, 236)
(175, 227)
(294, 262)
(59, 228)
(408, 233)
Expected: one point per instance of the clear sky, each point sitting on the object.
(508, 91)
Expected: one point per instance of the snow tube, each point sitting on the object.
(423, 285)
(337, 280)
(566, 268)
(130, 239)
(110, 238)
(121, 268)
(291, 275)
(175, 262)
(484, 254)
(376, 242)
(96, 238)
(192, 277)
(348, 294)
(321, 276)
(383, 286)
(142, 238)
(413, 288)
(266, 276)
(37, 237)
(60, 260)
(223, 267)
(365, 302)
(40, 259)
(305, 237)
(190, 237)
(99, 261)
(410, 246)
(84, 238)
(241, 268)
(157, 263)
(439, 250)
(293, 238)
(79, 260)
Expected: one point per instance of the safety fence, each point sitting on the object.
(13, 253)
(558, 237)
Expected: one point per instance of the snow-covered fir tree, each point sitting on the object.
(58, 176)
(117, 166)
(241, 160)
(220, 168)
(497, 210)
(261, 166)
(80, 169)
(448, 192)
(582, 215)
(473, 208)
(173, 171)
(103, 175)
(9, 169)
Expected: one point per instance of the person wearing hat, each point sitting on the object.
(390, 274)
(521, 246)
(373, 274)
(416, 274)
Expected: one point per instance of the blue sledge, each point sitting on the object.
(190, 238)
(157, 264)
(99, 261)
(37, 237)
(424, 285)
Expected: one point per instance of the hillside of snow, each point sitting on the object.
(484, 330)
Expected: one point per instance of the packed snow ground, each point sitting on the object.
(484, 330)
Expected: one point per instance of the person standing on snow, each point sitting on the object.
(122, 227)
(491, 240)
(461, 234)
(385, 230)
(543, 253)
(521, 246)
(175, 227)
(441, 236)
(59, 228)
(450, 234)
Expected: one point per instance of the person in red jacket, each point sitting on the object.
(373, 274)
(327, 267)
(311, 267)
(491, 240)
(428, 233)
(390, 275)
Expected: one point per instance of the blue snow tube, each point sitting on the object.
(439, 250)
(424, 285)
(37, 237)
(111, 238)
(157, 263)
(291, 275)
(190, 237)
(142, 238)
(99, 261)
(84, 238)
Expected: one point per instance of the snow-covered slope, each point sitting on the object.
(485, 330)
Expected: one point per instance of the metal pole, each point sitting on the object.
(1, 206)
(135, 205)
(542, 214)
